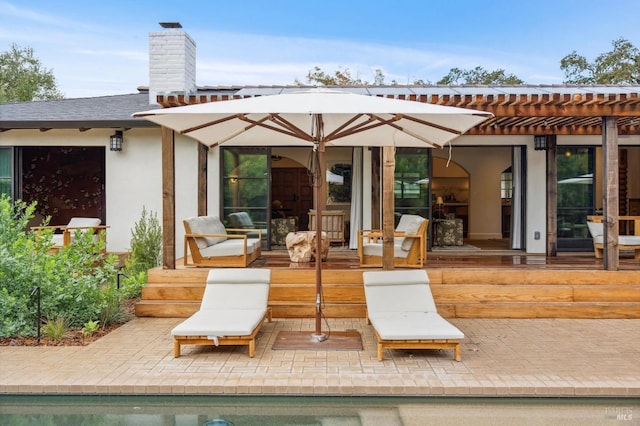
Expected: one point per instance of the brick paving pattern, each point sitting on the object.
(500, 357)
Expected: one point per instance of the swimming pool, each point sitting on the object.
(290, 410)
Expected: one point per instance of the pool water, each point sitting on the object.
(336, 411)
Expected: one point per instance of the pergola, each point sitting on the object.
(549, 111)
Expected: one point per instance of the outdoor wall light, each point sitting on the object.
(116, 140)
(540, 143)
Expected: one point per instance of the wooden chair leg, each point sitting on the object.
(457, 353)
(380, 351)
(176, 349)
(252, 348)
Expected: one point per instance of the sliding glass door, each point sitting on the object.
(575, 197)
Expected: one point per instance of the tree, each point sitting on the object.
(619, 66)
(24, 79)
(341, 77)
(479, 75)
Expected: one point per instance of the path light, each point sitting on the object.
(116, 140)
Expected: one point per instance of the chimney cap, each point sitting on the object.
(170, 25)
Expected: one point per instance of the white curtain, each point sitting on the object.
(516, 199)
(356, 197)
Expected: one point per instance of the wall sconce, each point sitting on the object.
(116, 140)
(540, 143)
(233, 180)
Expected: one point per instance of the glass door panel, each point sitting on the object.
(245, 188)
(575, 197)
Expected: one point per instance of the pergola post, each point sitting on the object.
(552, 196)
(610, 191)
(203, 153)
(168, 199)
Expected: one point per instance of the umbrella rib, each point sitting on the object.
(208, 124)
(292, 129)
(426, 123)
(337, 133)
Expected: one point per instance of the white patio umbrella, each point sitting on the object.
(318, 118)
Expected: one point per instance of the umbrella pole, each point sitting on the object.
(318, 336)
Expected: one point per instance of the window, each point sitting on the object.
(506, 184)
(6, 172)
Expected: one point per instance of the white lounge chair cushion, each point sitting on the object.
(398, 291)
(219, 323)
(230, 247)
(207, 225)
(413, 325)
(236, 288)
(409, 224)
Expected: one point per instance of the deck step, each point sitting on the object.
(463, 293)
(580, 310)
(173, 291)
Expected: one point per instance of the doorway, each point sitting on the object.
(291, 189)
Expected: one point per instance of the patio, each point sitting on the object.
(500, 357)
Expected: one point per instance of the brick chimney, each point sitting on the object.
(172, 62)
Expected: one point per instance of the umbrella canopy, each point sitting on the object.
(345, 118)
(318, 118)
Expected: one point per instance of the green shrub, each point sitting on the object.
(76, 282)
(146, 244)
(146, 253)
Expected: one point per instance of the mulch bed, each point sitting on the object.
(74, 337)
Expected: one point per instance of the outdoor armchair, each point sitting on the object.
(409, 243)
(211, 245)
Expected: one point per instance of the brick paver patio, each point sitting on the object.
(500, 357)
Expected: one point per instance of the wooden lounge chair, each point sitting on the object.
(212, 246)
(409, 243)
(232, 311)
(401, 310)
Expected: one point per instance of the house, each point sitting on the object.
(528, 177)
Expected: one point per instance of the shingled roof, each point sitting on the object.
(78, 113)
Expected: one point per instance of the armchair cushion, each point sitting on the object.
(409, 224)
(596, 229)
(207, 225)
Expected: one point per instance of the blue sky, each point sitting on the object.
(101, 48)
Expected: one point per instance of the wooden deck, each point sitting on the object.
(486, 284)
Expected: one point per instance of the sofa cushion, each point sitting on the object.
(207, 225)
